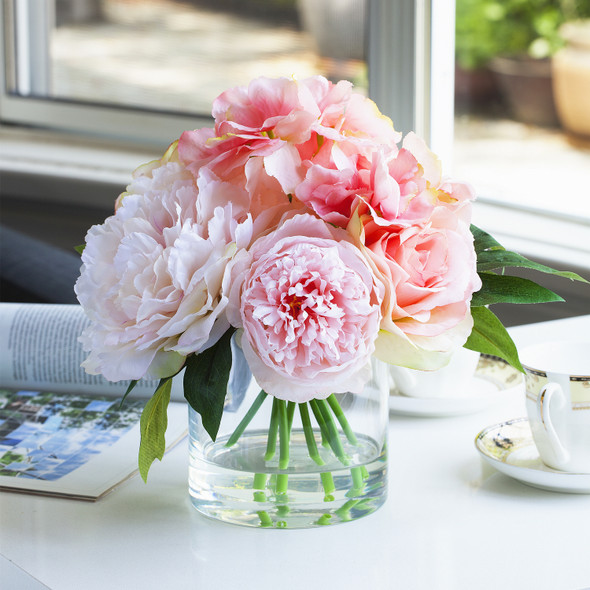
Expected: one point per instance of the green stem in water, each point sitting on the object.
(312, 447)
(344, 511)
(284, 435)
(333, 403)
(283, 510)
(265, 519)
(259, 481)
(259, 496)
(324, 519)
(246, 419)
(328, 484)
(282, 483)
(271, 443)
(357, 479)
(322, 414)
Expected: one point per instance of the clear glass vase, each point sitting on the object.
(280, 464)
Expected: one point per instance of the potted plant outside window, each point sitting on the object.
(571, 78)
(515, 39)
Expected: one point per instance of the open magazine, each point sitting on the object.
(64, 432)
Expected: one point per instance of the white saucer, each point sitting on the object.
(509, 447)
(492, 378)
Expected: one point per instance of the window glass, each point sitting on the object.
(178, 55)
(522, 106)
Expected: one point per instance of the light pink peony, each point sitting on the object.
(309, 307)
(269, 133)
(268, 118)
(154, 279)
(334, 191)
(430, 275)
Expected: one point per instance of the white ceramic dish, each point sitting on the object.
(509, 447)
(492, 380)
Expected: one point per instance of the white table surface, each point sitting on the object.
(450, 522)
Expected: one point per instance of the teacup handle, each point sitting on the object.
(550, 392)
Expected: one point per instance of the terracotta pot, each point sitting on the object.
(527, 88)
(478, 87)
(571, 78)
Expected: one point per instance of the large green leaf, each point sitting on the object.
(483, 241)
(509, 289)
(495, 259)
(205, 382)
(491, 255)
(153, 424)
(489, 336)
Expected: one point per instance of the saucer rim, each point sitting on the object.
(546, 478)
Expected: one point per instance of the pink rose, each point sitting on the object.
(309, 307)
(430, 275)
(154, 279)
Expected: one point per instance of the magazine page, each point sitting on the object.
(70, 444)
(39, 349)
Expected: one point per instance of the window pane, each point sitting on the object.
(514, 140)
(178, 55)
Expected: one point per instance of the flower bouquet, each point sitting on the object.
(280, 260)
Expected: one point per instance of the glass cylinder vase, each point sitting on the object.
(282, 464)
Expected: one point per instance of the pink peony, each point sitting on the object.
(430, 275)
(269, 133)
(154, 280)
(333, 191)
(309, 307)
(268, 118)
(401, 186)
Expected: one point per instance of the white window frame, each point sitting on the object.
(401, 82)
(90, 120)
(399, 71)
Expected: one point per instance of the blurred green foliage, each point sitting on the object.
(486, 28)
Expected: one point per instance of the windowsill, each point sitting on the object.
(536, 234)
(52, 167)
(31, 160)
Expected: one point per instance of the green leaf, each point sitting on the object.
(153, 423)
(132, 385)
(494, 259)
(205, 382)
(483, 241)
(489, 336)
(80, 248)
(508, 289)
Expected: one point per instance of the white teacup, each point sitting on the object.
(452, 380)
(558, 403)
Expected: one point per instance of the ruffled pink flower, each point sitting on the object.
(430, 275)
(268, 118)
(155, 280)
(397, 186)
(333, 193)
(268, 133)
(348, 116)
(309, 307)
